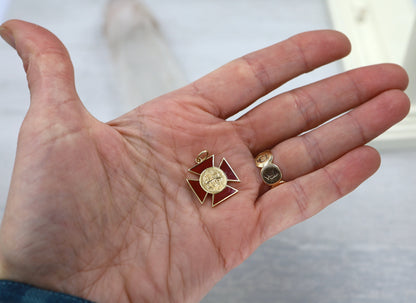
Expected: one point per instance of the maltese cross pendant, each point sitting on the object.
(212, 180)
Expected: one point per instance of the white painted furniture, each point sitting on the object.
(382, 31)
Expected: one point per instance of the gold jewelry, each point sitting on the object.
(212, 180)
(270, 172)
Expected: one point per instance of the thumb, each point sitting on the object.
(49, 69)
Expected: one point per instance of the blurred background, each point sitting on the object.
(360, 249)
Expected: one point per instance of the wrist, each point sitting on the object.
(3, 275)
(24, 293)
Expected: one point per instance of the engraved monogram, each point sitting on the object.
(271, 174)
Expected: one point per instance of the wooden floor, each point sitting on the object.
(361, 249)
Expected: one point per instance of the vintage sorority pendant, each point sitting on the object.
(270, 172)
(212, 180)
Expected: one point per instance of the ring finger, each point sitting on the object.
(315, 149)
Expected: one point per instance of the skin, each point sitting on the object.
(103, 211)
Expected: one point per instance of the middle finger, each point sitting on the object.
(294, 112)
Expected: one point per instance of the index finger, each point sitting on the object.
(237, 84)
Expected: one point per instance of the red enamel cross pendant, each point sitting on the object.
(212, 180)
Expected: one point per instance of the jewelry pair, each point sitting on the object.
(214, 180)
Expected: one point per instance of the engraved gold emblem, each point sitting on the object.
(212, 180)
(264, 158)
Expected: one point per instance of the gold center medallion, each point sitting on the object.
(213, 180)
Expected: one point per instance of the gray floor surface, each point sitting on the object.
(360, 249)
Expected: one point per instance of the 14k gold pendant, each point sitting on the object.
(212, 180)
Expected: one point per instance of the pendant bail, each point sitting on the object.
(202, 156)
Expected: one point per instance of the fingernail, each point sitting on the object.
(7, 35)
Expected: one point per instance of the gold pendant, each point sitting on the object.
(212, 180)
(270, 172)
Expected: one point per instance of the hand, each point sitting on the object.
(103, 211)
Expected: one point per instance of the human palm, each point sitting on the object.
(103, 211)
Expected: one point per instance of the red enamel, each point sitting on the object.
(226, 168)
(198, 190)
(199, 168)
(225, 194)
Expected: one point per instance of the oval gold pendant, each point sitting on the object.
(270, 172)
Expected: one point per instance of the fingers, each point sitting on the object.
(313, 150)
(302, 198)
(304, 108)
(327, 163)
(236, 85)
(47, 63)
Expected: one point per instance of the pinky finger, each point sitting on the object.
(300, 199)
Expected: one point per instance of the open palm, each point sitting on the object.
(103, 211)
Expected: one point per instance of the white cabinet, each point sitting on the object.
(382, 31)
